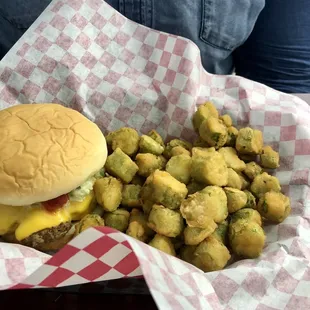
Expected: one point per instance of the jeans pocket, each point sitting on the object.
(22, 13)
(226, 24)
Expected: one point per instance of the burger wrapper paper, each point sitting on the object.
(85, 55)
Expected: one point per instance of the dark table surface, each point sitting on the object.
(36, 299)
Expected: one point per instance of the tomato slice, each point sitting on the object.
(56, 203)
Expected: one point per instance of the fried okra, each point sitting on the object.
(187, 253)
(194, 187)
(163, 244)
(178, 242)
(247, 214)
(180, 168)
(199, 142)
(236, 199)
(231, 158)
(226, 120)
(137, 227)
(131, 196)
(148, 145)
(202, 151)
(211, 255)
(249, 141)
(274, 206)
(247, 238)
(118, 219)
(210, 169)
(245, 182)
(89, 220)
(108, 193)
(203, 112)
(165, 221)
(248, 158)
(252, 169)
(251, 200)
(138, 180)
(156, 137)
(195, 235)
(264, 183)
(232, 134)
(214, 132)
(269, 158)
(98, 210)
(221, 232)
(180, 150)
(127, 139)
(234, 179)
(204, 208)
(174, 143)
(121, 166)
(148, 163)
(162, 188)
(147, 206)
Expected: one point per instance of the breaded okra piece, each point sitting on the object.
(247, 214)
(148, 163)
(156, 137)
(252, 169)
(180, 168)
(211, 255)
(121, 166)
(210, 169)
(118, 219)
(180, 150)
(214, 132)
(89, 220)
(203, 112)
(165, 222)
(264, 183)
(249, 141)
(226, 120)
(148, 145)
(236, 199)
(205, 207)
(232, 136)
(131, 196)
(137, 227)
(231, 158)
(247, 238)
(127, 139)
(274, 206)
(163, 244)
(269, 158)
(174, 143)
(162, 188)
(195, 235)
(108, 193)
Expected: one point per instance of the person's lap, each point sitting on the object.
(277, 53)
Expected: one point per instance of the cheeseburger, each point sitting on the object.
(50, 158)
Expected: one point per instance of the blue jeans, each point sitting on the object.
(274, 53)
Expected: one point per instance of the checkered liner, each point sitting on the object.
(85, 55)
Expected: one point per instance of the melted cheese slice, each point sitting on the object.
(28, 220)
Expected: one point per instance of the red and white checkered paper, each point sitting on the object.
(85, 55)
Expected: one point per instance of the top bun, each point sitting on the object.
(46, 150)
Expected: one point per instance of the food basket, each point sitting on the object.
(85, 55)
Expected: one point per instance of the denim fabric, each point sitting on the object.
(275, 53)
(16, 16)
(278, 50)
(216, 26)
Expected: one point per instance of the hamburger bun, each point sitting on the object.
(46, 150)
